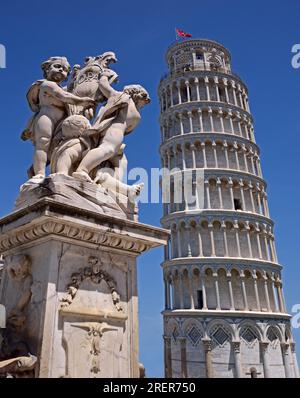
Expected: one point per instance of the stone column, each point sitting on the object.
(246, 307)
(196, 81)
(286, 360)
(249, 239)
(219, 184)
(206, 182)
(181, 124)
(220, 114)
(206, 81)
(171, 93)
(235, 146)
(230, 183)
(232, 307)
(190, 116)
(179, 93)
(226, 154)
(237, 238)
(295, 362)
(265, 356)
(256, 292)
(210, 114)
(236, 345)
(267, 293)
(191, 288)
(251, 197)
(207, 344)
(187, 85)
(183, 361)
(180, 282)
(212, 239)
(241, 184)
(216, 282)
(168, 357)
(203, 288)
(204, 155)
(200, 120)
(214, 147)
(223, 227)
(200, 241)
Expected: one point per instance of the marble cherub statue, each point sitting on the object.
(49, 101)
(118, 117)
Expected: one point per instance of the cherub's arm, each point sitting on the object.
(106, 88)
(54, 90)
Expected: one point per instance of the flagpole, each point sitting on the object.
(176, 38)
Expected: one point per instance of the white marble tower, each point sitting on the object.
(225, 314)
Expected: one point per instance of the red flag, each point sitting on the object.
(182, 33)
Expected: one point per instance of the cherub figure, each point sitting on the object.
(50, 103)
(118, 117)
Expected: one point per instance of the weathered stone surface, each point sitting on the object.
(84, 195)
(74, 271)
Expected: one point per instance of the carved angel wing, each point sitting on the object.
(33, 96)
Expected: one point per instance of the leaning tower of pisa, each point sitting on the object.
(225, 314)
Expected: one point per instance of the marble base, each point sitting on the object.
(70, 289)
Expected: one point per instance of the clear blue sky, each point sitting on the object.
(259, 35)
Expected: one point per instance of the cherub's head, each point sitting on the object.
(139, 95)
(56, 69)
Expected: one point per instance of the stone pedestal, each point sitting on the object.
(70, 289)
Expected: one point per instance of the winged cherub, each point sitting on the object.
(50, 103)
